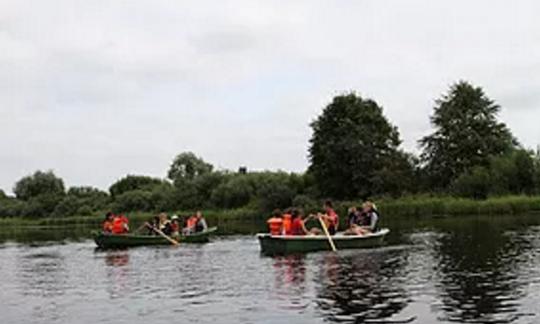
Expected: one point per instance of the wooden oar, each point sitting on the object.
(174, 242)
(325, 229)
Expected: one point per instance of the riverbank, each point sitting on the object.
(244, 220)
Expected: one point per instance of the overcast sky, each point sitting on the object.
(95, 90)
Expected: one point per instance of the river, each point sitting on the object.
(460, 270)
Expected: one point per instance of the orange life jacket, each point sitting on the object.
(191, 222)
(118, 225)
(287, 222)
(274, 225)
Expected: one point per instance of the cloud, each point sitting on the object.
(121, 87)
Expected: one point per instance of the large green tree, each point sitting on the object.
(352, 143)
(187, 166)
(38, 184)
(41, 192)
(466, 134)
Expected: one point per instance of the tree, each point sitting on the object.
(37, 184)
(466, 134)
(133, 182)
(187, 166)
(351, 142)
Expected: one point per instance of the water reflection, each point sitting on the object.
(362, 286)
(479, 274)
(117, 273)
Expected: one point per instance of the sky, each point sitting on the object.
(96, 90)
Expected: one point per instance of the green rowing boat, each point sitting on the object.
(128, 240)
(286, 244)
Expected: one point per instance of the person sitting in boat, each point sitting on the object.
(120, 224)
(298, 226)
(108, 223)
(287, 221)
(366, 221)
(200, 224)
(275, 223)
(330, 217)
(164, 224)
(370, 216)
(175, 226)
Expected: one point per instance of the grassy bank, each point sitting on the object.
(423, 206)
(244, 220)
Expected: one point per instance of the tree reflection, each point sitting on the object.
(362, 286)
(478, 271)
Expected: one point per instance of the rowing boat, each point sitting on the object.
(128, 240)
(285, 244)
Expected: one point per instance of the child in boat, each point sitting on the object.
(200, 224)
(120, 224)
(190, 225)
(275, 223)
(330, 217)
(175, 226)
(366, 221)
(108, 223)
(287, 221)
(298, 225)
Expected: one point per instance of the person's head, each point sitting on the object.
(328, 205)
(367, 206)
(162, 217)
(288, 210)
(352, 210)
(296, 212)
(174, 218)
(109, 216)
(198, 214)
(276, 213)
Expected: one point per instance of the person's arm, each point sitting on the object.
(374, 219)
(203, 224)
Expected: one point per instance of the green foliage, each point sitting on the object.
(473, 184)
(236, 192)
(133, 182)
(135, 200)
(352, 143)
(466, 134)
(187, 166)
(37, 184)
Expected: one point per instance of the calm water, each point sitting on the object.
(468, 270)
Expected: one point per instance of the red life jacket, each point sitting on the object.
(297, 226)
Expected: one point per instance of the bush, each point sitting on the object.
(474, 184)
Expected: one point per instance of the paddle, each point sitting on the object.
(174, 242)
(325, 229)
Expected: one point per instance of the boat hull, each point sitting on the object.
(282, 244)
(131, 240)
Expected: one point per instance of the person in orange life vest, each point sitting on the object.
(287, 222)
(190, 225)
(108, 223)
(330, 217)
(120, 224)
(275, 223)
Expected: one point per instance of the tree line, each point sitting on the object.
(354, 153)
